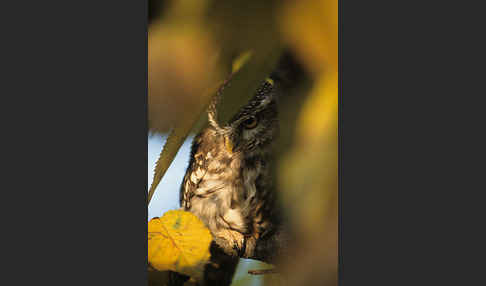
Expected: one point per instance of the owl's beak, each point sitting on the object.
(228, 144)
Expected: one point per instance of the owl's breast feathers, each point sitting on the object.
(229, 193)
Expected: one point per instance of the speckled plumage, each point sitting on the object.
(231, 190)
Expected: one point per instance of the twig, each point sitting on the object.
(262, 271)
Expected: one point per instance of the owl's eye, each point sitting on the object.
(250, 123)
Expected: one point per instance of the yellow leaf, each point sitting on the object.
(179, 241)
(319, 114)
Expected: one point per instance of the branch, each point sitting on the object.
(262, 271)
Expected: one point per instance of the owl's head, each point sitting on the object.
(255, 125)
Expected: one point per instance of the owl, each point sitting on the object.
(229, 185)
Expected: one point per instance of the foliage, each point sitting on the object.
(193, 48)
(178, 241)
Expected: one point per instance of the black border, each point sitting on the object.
(74, 97)
(409, 129)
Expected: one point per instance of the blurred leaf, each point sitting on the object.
(239, 26)
(319, 114)
(308, 179)
(244, 84)
(182, 67)
(179, 241)
(308, 172)
(311, 28)
(183, 64)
